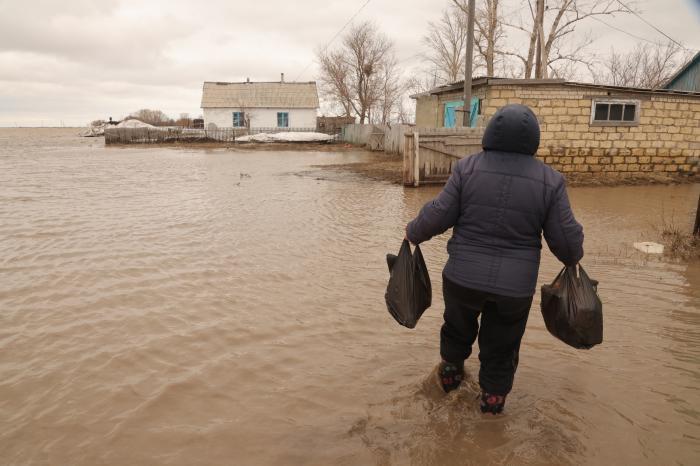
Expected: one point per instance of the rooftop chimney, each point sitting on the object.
(282, 78)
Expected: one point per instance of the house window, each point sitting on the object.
(615, 112)
(282, 119)
(238, 119)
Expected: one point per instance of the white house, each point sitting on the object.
(262, 105)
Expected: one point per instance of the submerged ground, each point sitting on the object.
(213, 306)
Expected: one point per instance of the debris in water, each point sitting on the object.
(649, 247)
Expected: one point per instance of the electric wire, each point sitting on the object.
(630, 10)
(334, 37)
(625, 32)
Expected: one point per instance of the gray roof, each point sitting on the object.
(259, 95)
(490, 81)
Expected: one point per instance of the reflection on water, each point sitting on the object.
(163, 306)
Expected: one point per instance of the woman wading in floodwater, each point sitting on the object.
(499, 202)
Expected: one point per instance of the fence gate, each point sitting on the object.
(430, 154)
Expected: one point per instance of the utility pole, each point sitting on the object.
(539, 71)
(468, 67)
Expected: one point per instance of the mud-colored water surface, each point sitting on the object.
(209, 306)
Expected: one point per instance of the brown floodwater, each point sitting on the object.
(209, 306)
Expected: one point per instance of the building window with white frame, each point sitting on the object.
(238, 119)
(283, 119)
(615, 112)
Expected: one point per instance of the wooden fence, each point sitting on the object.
(166, 135)
(430, 154)
(387, 138)
(170, 135)
(357, 134)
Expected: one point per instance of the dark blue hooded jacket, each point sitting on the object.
(499, 202)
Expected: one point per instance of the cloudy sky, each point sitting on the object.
(71, 61)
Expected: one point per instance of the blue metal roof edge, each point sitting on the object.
(679, 74)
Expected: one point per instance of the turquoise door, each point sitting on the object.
(451, 116)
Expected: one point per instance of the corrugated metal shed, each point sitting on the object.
(688, 77)
(259, 95)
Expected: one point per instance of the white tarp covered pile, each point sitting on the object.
(98, 129)
(286, 137)
(133, 124)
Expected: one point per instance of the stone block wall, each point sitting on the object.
(667, 139)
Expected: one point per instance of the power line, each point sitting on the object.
(335, 37)
(625, 32)
(415, 55)
(652, 26)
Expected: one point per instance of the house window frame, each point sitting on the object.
(612, 101)
(286, 119)
(241, 119)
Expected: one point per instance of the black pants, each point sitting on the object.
(503, 322)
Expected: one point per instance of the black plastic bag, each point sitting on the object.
(572, 310)
(409, 292)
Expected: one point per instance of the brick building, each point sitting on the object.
(588, 128)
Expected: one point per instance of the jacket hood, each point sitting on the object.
(513, 128)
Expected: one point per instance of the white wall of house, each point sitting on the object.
(261, 117)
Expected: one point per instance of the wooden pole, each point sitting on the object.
(696, 228)
(416, 161)
(468, 67)
(404, 173)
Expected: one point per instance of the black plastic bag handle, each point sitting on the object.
(576, 271)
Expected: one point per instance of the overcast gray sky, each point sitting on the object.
(71, 61)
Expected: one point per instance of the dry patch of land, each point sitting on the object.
(389, 168)
(379, 167)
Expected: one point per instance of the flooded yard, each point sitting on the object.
(213, 306)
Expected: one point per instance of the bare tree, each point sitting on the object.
(352, 74)
(647, 65)
(446, 41)
(184, 121)
(247, 114)
(152, 117)
(405, 114)
(489, 32)
(392, 90)
(560, 17)
(335, 80)
(422, 80)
